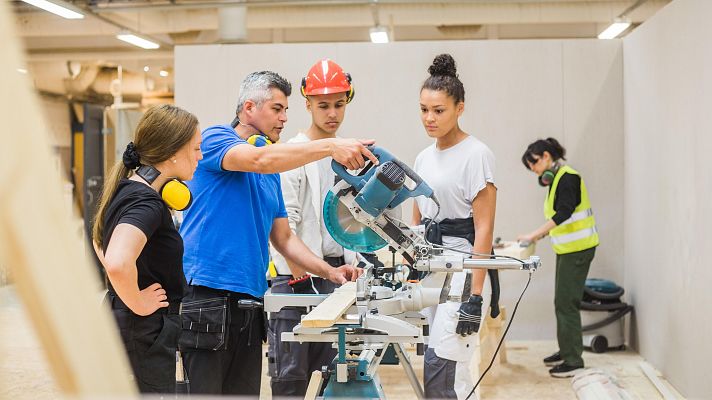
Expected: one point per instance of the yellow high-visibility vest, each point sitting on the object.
(579, 231)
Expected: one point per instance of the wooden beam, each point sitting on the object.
(512, 249)
(54, 279)
(330, 310)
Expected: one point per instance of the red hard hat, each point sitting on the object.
(326, 77)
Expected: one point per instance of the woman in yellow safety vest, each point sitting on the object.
(570, 223)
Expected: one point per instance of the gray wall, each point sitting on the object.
(668, 104)
(517, 91)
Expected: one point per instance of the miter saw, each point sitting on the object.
(359, 215)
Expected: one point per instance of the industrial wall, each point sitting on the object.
(668, 103)
(516, 91)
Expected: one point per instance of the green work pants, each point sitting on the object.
(571, 271)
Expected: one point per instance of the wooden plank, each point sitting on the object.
(490, 335)
(330, 310)
(53, 277)
(315, 384)
(652, 375)
(513, 249)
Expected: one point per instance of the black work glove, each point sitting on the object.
(470, 315)
(303, 285)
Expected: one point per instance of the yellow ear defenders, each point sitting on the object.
(257, 140)
(175, 192)
(547, 177)
(351, 92)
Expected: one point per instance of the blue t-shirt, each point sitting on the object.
(226, 229)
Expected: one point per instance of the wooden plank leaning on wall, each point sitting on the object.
(54, 279)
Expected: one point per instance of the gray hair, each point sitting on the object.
(257, 87)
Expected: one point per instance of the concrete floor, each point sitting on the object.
(25, 375)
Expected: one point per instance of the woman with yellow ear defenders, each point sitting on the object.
(140, 248)
(572, 228)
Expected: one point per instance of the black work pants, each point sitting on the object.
(235, 367)
(151, 343)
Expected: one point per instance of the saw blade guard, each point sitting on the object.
(346, 230)
(374, 191)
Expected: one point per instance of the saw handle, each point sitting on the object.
(358, 181)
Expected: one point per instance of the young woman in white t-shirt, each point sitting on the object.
(460, 169)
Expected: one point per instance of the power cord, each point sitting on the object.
(469, 253)
(501, 340)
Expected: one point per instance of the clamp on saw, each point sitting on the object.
(359, 214)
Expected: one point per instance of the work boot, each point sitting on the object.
(552, 360)
(564, 370)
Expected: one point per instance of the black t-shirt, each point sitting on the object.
(161, 260)
(567, 198)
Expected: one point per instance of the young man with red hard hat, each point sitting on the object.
(328, 90)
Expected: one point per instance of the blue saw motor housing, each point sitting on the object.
(376, 190)
(375, 193)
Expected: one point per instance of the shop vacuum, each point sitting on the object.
(602, 313)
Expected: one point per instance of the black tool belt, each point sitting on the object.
(117, 304)
(462, 228)
(335, 261)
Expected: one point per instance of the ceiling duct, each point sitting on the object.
(98, 77)
(460, 31)
(232, 24)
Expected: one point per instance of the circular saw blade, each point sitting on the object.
(346, 230)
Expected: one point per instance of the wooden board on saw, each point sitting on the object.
(330, 310)
(513, 249)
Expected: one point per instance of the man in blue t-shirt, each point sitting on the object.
(237, 209)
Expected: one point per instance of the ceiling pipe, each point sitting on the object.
(120, 6)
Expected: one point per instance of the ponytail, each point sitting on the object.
(118, 171)
(550, 145)
(160, 133)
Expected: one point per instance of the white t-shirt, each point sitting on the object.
(329, 247)
(456, 175)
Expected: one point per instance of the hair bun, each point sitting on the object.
(131, 157)
(443, 64)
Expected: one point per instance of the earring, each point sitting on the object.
(174, 161)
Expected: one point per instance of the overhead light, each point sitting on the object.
(163, 73)
(379, 34)
(145, 68)
(22, 70)
(615, 29)
(137, 41)
(57, 7)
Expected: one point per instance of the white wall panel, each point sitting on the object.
(516, 91)
(668, 103)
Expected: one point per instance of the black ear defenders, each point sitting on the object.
(175, 192)
(547, 177)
